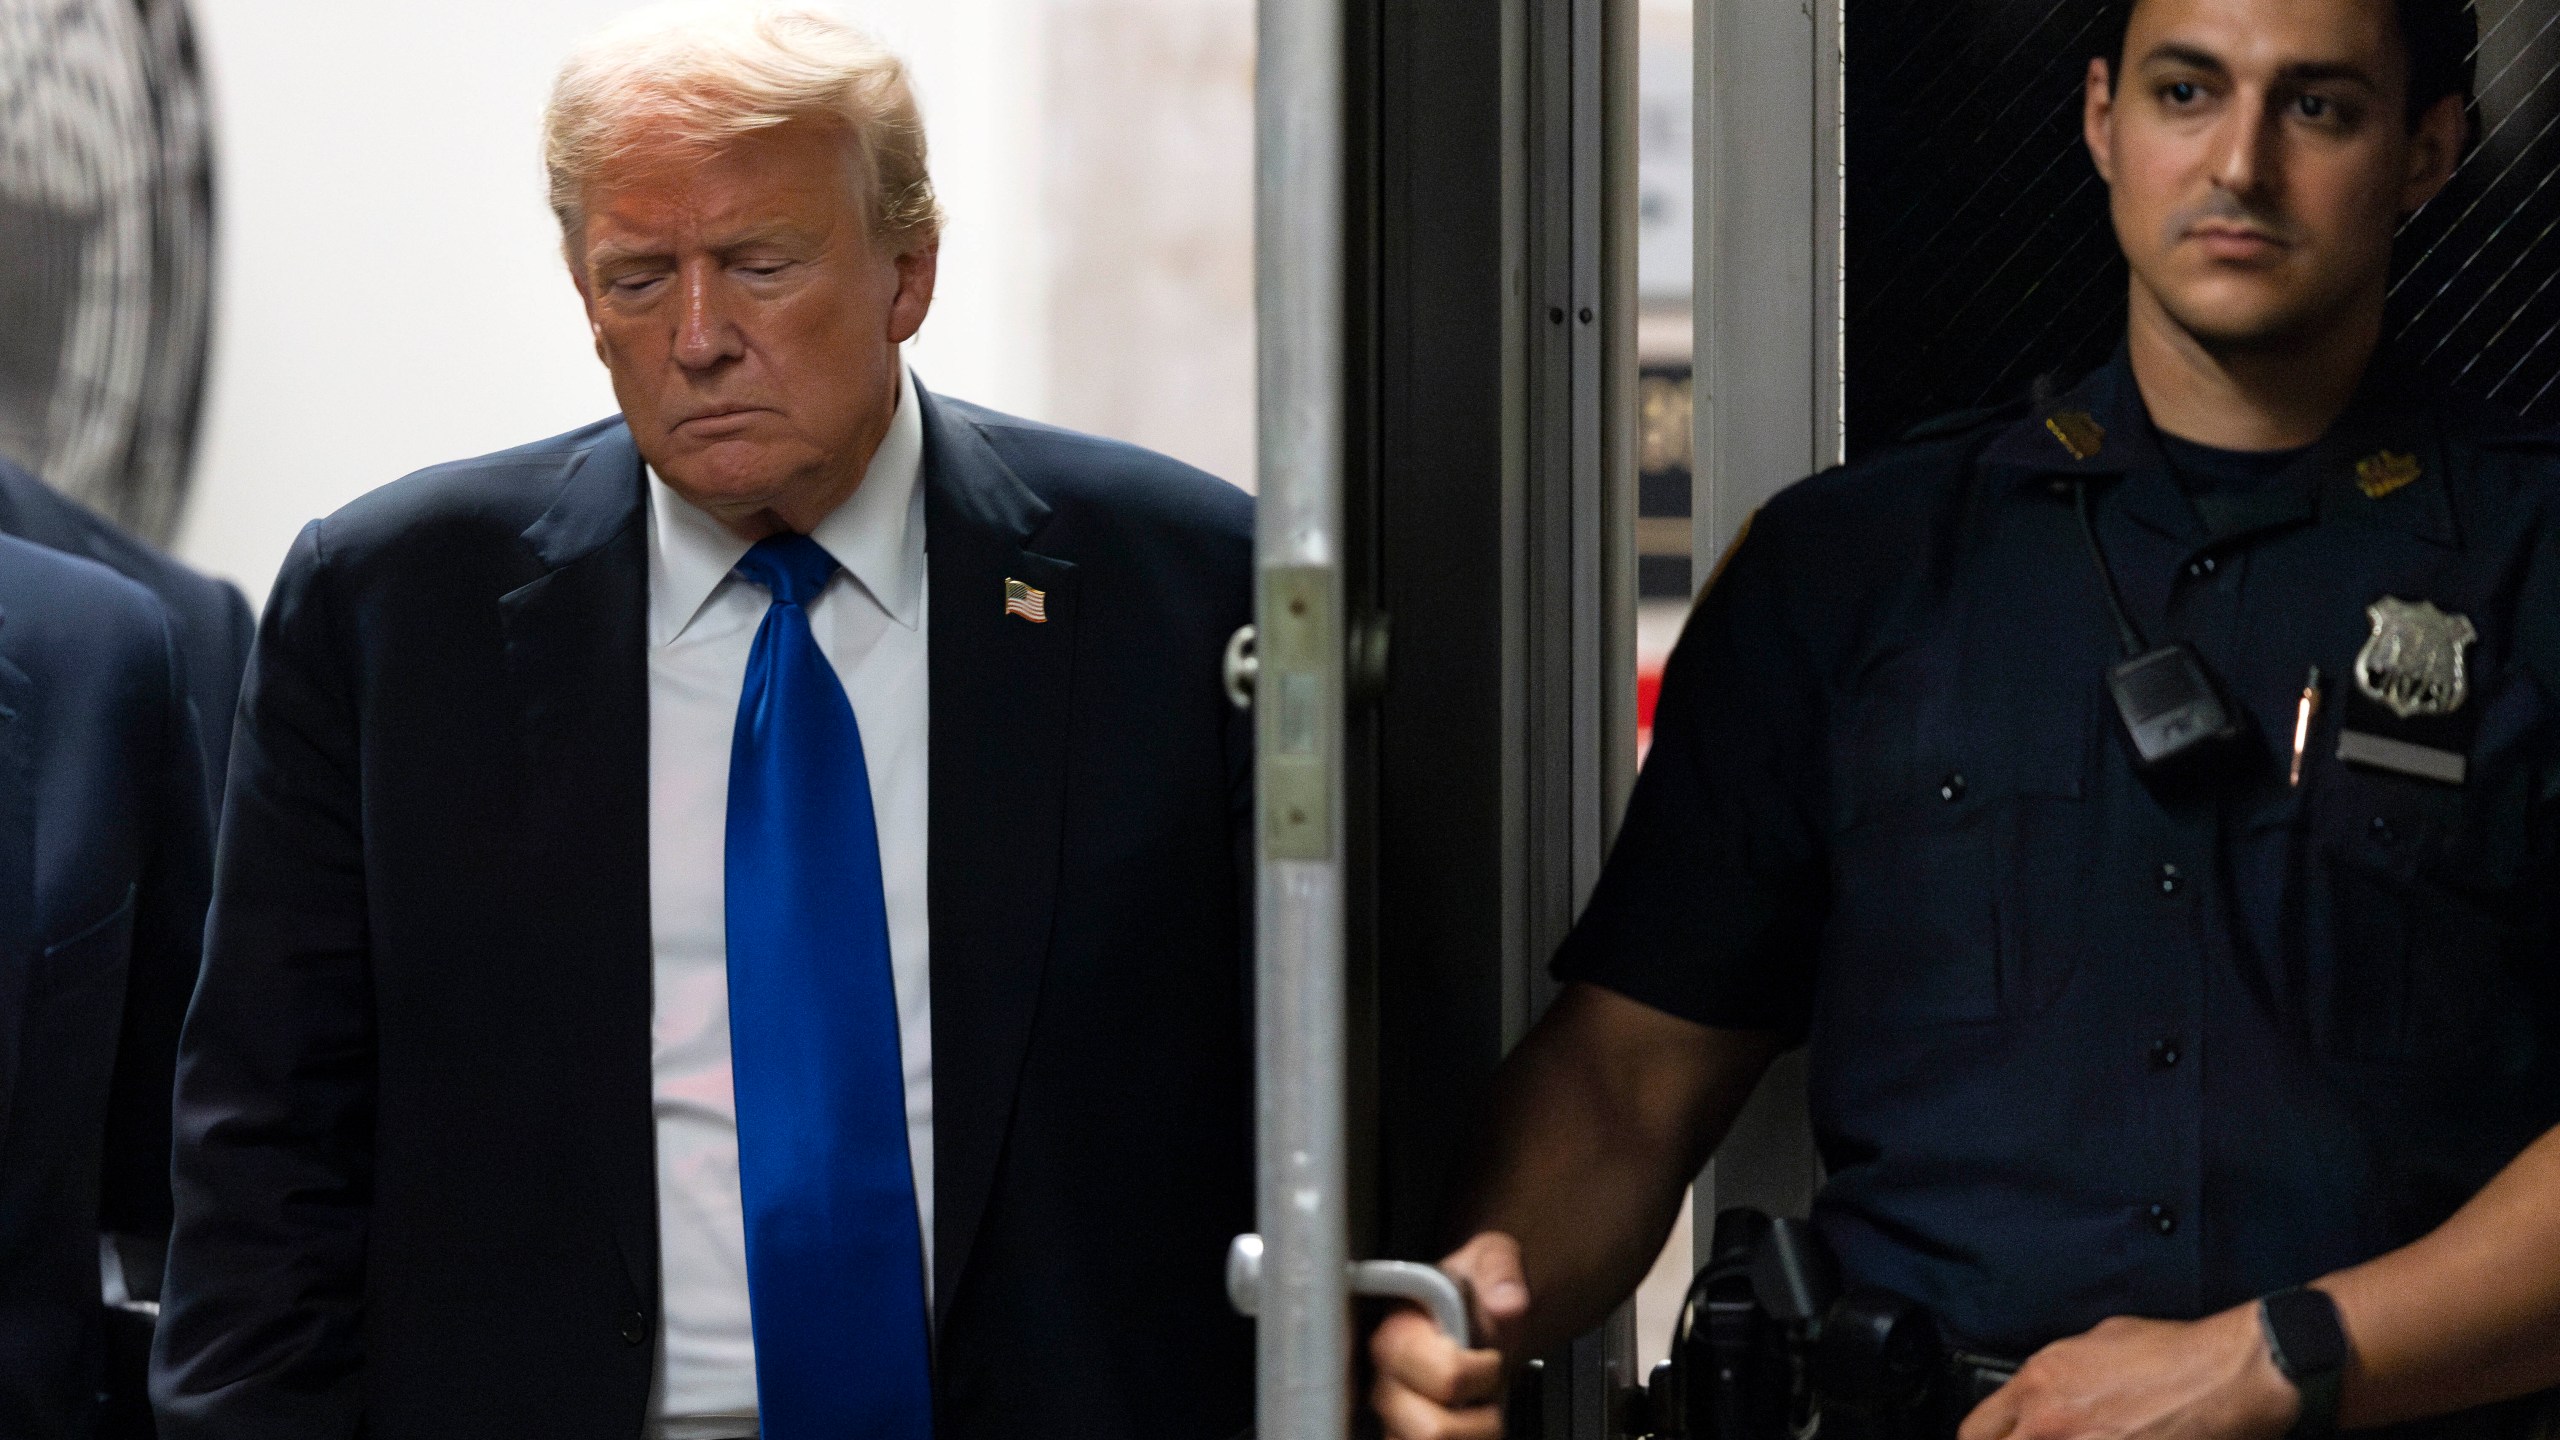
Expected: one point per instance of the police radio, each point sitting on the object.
(2176, 723)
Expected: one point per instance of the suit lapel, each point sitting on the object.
(1000, 719)
(17, 877)
(577, 668)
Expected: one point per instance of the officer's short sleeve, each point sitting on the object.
(1710, 904)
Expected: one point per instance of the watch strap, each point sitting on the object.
(2319, 1417)
(2308, 1344)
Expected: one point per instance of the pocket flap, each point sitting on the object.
(95, 950)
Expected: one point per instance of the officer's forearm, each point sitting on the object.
(2466, 1316)
(1602, 1117)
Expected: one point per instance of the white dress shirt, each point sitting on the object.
(870, 621)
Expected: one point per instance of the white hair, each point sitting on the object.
(695, 73)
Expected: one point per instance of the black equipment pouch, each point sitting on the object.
(1768, 1344)
(1733, 1354)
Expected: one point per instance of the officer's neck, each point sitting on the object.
(2256, 397)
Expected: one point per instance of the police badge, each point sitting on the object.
(2413, 664)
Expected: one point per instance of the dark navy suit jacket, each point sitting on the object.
(209, 618)
(103, 875)
(416, 1191)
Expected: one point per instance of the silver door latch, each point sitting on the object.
(1364, 668)
(1424, 1285)
(1242, 668)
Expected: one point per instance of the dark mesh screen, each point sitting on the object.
(1978, 253)
(1978, 249)
(2475, 299)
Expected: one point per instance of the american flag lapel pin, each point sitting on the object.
(1022, 600)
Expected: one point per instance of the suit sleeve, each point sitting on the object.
(218, 707)
(260, 1332)
(168, 943)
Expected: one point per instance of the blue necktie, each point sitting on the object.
(835, 1263)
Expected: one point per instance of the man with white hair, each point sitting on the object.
(732, 920)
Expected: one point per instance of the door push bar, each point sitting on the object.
(1424, 1285)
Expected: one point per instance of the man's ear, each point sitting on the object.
(916, 271)
(2098, 118)
(586, 302)
(2435, 151)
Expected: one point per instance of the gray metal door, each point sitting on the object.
(1446, 277)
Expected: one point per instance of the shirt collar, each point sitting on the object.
(2382, 463)
(877, 534)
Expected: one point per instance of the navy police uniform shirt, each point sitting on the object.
(2080, 1049)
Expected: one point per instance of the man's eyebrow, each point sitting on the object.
(2304, 72)
(606, 256)
(2170, 52)
(776, 234)
(2313, 72)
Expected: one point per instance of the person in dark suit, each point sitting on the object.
(209, 617)
(733, 921)
(211, 624)
(104, 868)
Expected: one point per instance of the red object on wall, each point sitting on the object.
(1648, 690)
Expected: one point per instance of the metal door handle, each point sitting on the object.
(1425, 1285)
(1365, 667)
(1241, 669)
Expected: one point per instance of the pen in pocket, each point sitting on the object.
(2303, 710)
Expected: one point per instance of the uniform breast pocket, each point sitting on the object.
(1913, 936)
(2407, 965)
(1955, 886)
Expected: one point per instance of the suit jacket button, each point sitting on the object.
(635, 1328)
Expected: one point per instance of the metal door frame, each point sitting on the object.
(1446, 293)
(1572, 715)
(1768, 389)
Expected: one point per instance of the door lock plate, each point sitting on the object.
(1299, 722)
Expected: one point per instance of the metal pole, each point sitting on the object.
(1303, 1300)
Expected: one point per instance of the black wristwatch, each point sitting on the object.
(2309, 1347)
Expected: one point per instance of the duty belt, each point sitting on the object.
(1770, 1346)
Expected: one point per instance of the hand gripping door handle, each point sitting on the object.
(1424, 1285)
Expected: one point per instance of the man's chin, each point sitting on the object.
(720, 485)
(2244, 328)
(726, 464)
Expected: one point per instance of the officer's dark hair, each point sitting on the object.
(2442, 38)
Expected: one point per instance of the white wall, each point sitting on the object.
(1150, 211)
(390, 293)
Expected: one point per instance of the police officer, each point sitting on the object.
(2160, 965)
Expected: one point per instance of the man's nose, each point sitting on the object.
(2243, 161)
(705, 336)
